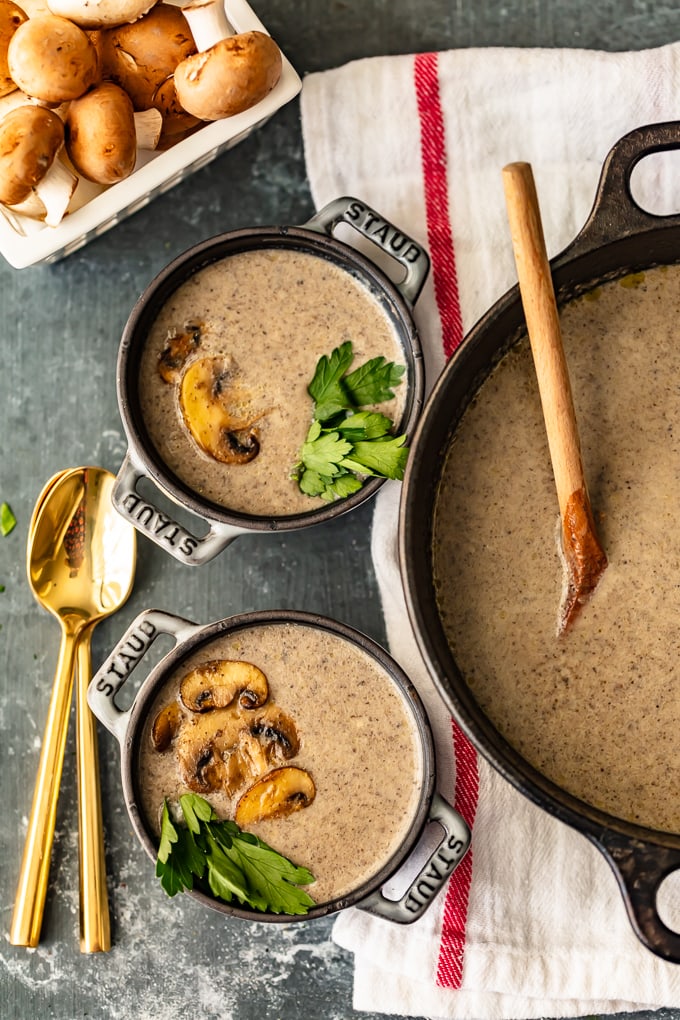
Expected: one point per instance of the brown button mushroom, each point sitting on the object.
(51, 59)
(166, 726)
(177, 350)
(276, 731)
(11, 16)
(30, 138)
(100, 13)
(216, 684)
(142, 58)
(202, 744)
(32, 180)
(275, 795)
(100, 134)
(211, 412)
(230, 77)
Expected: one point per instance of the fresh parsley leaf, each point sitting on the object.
(347, 443)
(373, 382)
(177, 857)
(229, 862)
(342, 486)
(225, 878)
(273, 879)
(326, 388)
(364, 425)
(324, 452)
(386, 457)
(195, 810)
(311, 482)
(7, 519)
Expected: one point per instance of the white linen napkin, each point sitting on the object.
(532, 923)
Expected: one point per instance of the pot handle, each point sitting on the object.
(399, 246)
(433, 875)
(124, 659)
(640, 868)
(162, 529)
(615, 212)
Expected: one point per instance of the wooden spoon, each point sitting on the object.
(584, 558)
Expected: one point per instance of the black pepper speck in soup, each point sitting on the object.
(357, 740)
(271, 313)
(598, 709)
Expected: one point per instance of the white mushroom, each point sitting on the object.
(100, 134)
(51, 59)
(100, 13)
(11, 16)
(230, 77)
(32, 180)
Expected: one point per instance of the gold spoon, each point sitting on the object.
(95, 926)
(81, 562)
(584, 558)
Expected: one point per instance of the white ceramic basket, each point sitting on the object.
(24, 242)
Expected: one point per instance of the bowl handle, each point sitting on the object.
(124, 659)
(640, 868)
(615, 212)
(434, 874)
(161, 528)
(399, 246)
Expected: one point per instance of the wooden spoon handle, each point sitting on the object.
(543, 326)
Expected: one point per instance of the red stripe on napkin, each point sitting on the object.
(440, 240)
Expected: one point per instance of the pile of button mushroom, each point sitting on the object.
(86, 85)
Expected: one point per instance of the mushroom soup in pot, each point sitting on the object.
(255, 322)
(597, 709)
(344, 751)
(304, 734)
(270, 379)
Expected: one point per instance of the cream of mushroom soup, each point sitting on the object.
(598, 710)
(339, 718)
(259, 320)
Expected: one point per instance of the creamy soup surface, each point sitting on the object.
(598, 709)
(358, 742)
(272, 313)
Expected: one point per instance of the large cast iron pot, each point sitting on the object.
(618, 238)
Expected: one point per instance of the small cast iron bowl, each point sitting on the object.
(315, 238)
(128, 726)
(617, 239)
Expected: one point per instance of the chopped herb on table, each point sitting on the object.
(345, 443)
(7, 519)
(217, 855)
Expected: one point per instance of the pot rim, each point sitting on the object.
(211, 250)
(204, 635)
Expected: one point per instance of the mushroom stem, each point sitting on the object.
(49, 198)
(208, 22)
(55, 191)
(148, 127)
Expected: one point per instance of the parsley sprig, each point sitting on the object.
(7, 519)
(345, 444)
(230, 862)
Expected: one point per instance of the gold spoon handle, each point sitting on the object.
(95, 926)
(95, 929)
(35, 864)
